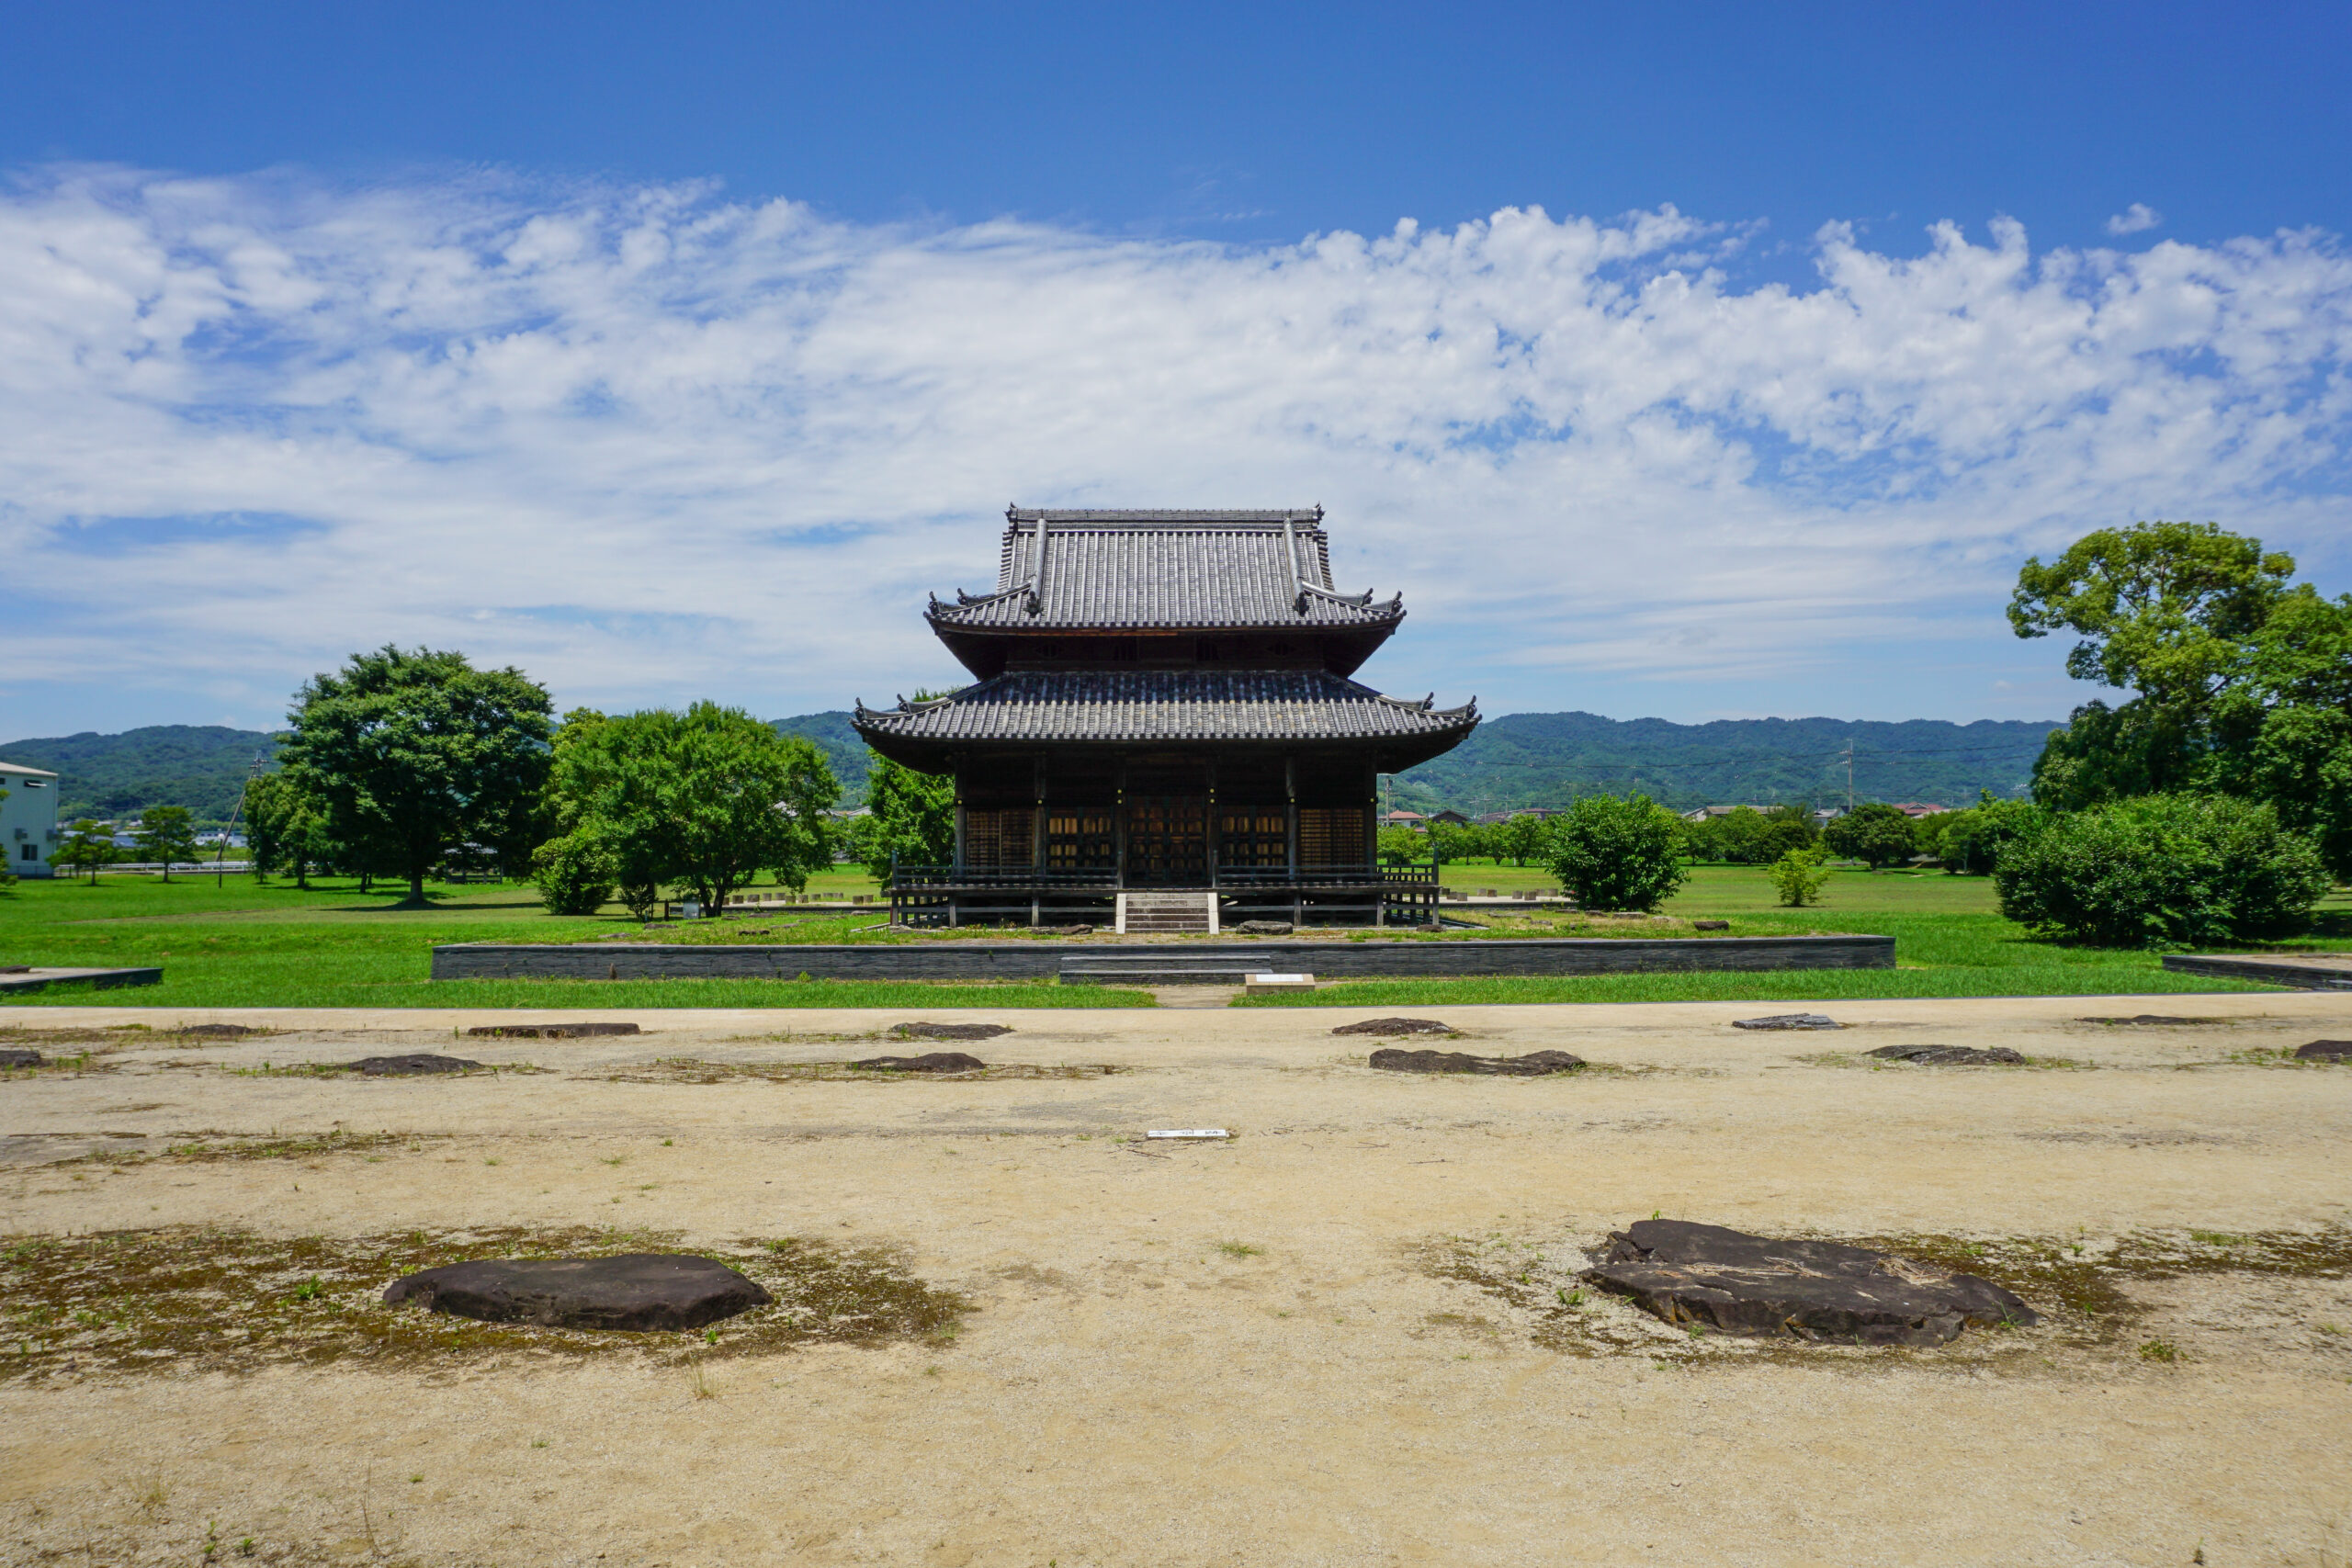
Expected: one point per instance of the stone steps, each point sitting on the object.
(1210, 968)
(1172, 914)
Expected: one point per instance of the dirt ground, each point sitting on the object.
(1353, 1334)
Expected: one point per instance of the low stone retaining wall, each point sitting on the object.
(2318, 974)
(1043, 959)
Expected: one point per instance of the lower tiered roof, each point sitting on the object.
(1132, 707)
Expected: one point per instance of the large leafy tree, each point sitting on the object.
(911, 816)
(411, 751)
(706, 798)
(1616, 853)
(2240, 680)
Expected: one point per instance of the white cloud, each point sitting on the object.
(2136, 219)
(651, 445)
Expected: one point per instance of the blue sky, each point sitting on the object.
(677, 351)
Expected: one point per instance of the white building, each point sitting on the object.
(28, 819)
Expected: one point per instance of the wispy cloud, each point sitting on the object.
(651, 445)
(2136, 219)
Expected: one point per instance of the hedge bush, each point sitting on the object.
(574, 875)
(2161, 870)
(1616, 853)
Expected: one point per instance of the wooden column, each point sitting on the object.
(1290, 839)
(1119, 827)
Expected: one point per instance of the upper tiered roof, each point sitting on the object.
(1163, 571)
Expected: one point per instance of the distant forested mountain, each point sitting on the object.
(838, 743)
(1522, 759)
(202, 767)
(1550, 758)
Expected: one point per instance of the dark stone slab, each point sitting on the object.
(549, 1031)
(35, 978)
(2153, 1018)
(1392, 1027)
(1789, 1021)
(1950, 1055)
(1533, 1065)
(2325, 1051)
(1375, 958)
(936, 1062)
(950, 1031)
(2303, 976)
(16, 968)
(1262, 928)
(414, 1065)
(640, 1291)
(1737, 1283)
(1711, 925)
(19, 1059)
(217, 1030)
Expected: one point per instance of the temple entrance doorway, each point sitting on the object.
(1167, 841)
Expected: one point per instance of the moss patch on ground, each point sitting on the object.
(186, 1300)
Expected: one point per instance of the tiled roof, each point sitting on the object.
(1166, 705)
(1088, 569)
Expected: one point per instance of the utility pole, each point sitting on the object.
(1849, 778)
(259, 762)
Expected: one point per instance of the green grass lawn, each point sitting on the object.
(245, 944)
(1949, 940)
(274, 945)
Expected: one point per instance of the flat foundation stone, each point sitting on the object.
(416, 1064)
(1261, 928)
(19, 1058)
(2153, 1018)
(637, 1291)
(549, 1031)
(949, 1031)
(217, 1030)
(2325, 1051)
(1788, 1020)
(1736, 1283)
(1950, 1055)
(1533, 1065)
(1392, 1027)
(937, 1062)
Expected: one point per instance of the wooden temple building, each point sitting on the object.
(1163, 731)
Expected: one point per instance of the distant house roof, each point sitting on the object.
(1454, 817)
(1705, 812)
(1121, 708)
(1402, 815)
(23, 772)
(1166, 569)
(1919, 808)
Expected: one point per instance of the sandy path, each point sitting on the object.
(1131, 1393)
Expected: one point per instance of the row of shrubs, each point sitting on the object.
(2159, 870)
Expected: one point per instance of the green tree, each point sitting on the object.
(575, 875)
(1402, 846)
(87, 847)
(1800, 875)
(166, 834)
(413, 750)
(1875, 832)
(286, 828)
(1969, 842)
(2161, 870)
(1613, 852)
(1449, 842)
(909, 816)
(1519, 839)
(707, 798)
